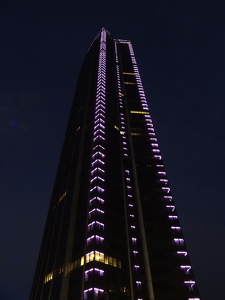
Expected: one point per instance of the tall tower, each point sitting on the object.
(112, 230)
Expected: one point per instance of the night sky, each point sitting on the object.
(180, 50)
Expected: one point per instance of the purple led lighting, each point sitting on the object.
(132, 226)
(97, 178)
(179, 241)
(131, 205)
(99, 126)
(168, 197)
(135, 252)
(97, 161)
(157, 157)
(99, 121)
(98, 146)
(132, 216)
(167, 189)
(97, 238)
(190, 284)
(99, 131)
(175, 228)
(172, 207)
(96, 210)
(184, 253)
(136, 266)
(98, 153)
(95, 224)
(99, 137)
(97, 170)
(193, 298)
(138, 283)
(98, 199)
(186, 269)
(96, 290)
(155, 150)
(88, 290)
(98, 188)
(173, 217)
(99, 111)
(98, 116)
(163, 180)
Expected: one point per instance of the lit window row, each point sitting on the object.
(103, 258)
(92, 256)
(61, 198)
(133, 83)
(139, 112)
(126, 73)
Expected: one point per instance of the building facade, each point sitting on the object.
(112, 230)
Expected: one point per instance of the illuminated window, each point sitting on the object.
(63, 196)
(125, 73)
(48, 277)
(127, 82)
(91, 256)
(139, 112)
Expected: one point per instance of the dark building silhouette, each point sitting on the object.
(112, 230)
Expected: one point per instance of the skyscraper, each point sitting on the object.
(112, 230)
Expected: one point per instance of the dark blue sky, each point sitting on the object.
(180, 50)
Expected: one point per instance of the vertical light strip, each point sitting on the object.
(162, 178)
(97, 180)
(130, 209)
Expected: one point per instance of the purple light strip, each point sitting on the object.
(184, 253)
(172, 207)
(179, 241)
(186, 269)
(98, 160)
(173, 217)
(190, 284)
(176, 228)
